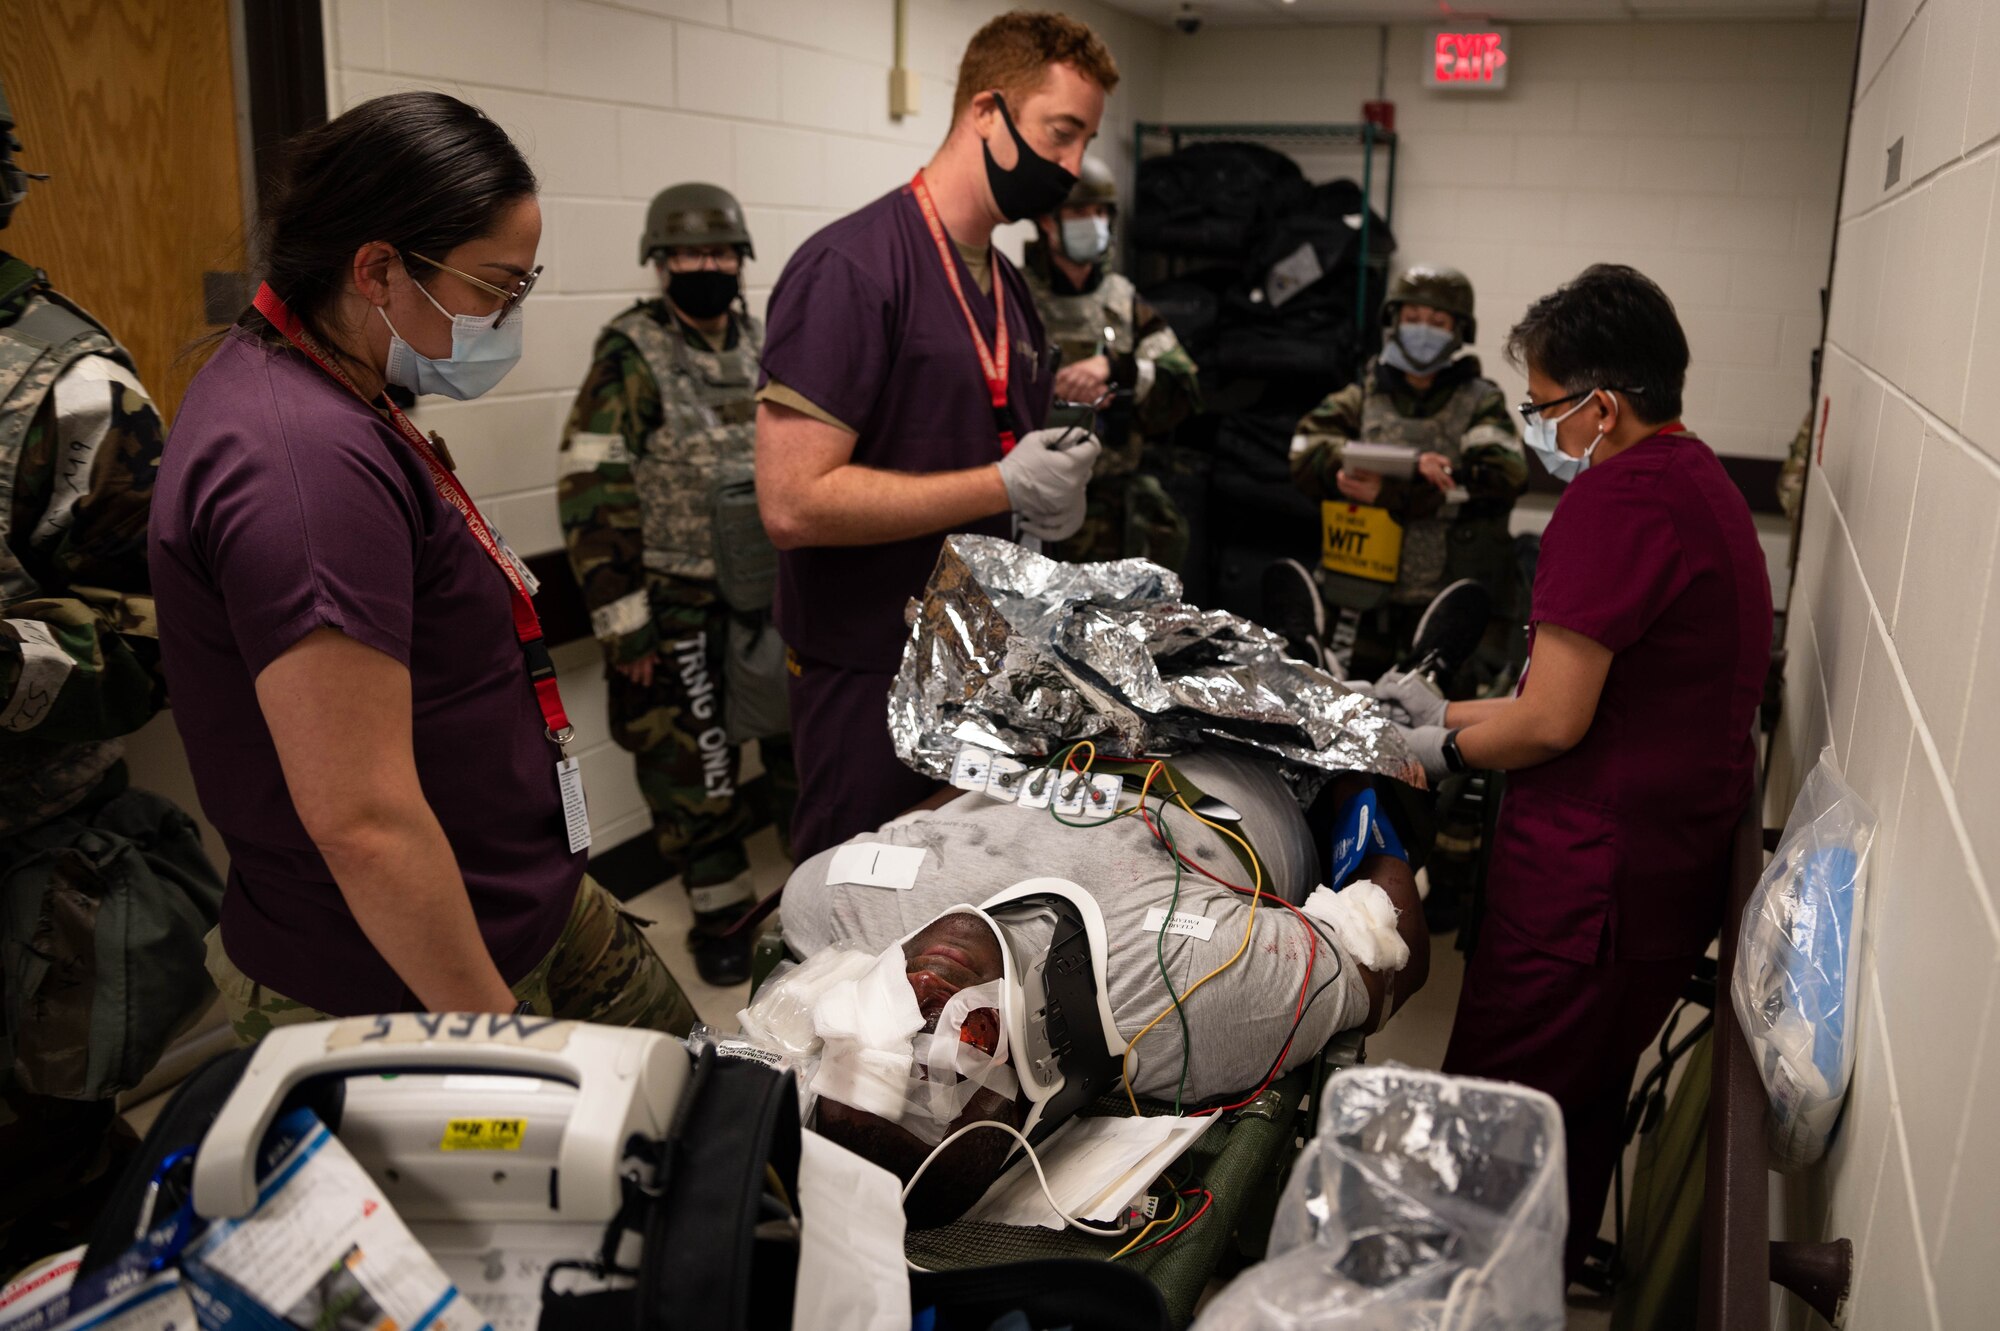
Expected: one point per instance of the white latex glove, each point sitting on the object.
(1411, 699)
(1427, 746)
(1045, 484)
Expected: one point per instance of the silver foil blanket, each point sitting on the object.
(1022, 654)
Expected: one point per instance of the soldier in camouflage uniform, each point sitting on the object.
(1452, 514)
(1116, 349)
(659, 511)
(104, 891)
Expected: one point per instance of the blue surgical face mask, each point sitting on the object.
(1418, 348)
(481, 355)
(1086, 239)
(1541, 438)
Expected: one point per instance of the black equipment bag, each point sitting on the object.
(1213, 198)
(703, 1264)
(1191, 303)
(1329, 219)
(1072, 1292)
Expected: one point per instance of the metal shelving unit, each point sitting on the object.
(1366, 136)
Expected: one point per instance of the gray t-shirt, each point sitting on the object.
(978, 846)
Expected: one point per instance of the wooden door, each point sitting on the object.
(130, 107)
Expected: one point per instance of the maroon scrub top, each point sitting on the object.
(1620, 847)
(864, 325)
(285, 504)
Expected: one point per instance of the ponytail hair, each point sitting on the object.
(422, 171)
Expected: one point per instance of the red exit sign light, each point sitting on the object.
(1471, 58)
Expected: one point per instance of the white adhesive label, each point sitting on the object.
(44, 667)
(576, 817)
(1193, 926)
(874, 864)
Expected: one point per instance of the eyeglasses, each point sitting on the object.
(721, 258)
(509, 300)
(1530, 410)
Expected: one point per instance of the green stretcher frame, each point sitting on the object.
(1244, 1161)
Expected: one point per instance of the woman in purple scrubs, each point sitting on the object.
(356, 664)
(1628, 744)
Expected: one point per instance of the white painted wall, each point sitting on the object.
(784, 102)
(1895, 662)
(1705, 154)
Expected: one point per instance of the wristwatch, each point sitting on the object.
(1453, 759)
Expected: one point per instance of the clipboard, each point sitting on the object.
(1393, 460)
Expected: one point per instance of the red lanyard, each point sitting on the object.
(992, 360)
(527, 624)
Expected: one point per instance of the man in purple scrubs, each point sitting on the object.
(891, 414)
(1628, 744)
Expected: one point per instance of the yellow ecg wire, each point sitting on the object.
(1250, 928)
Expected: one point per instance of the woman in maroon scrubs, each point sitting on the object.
(1629, 742)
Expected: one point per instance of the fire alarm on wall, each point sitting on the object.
(1466, 56)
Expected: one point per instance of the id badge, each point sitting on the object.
(576, 818)
(520, 565)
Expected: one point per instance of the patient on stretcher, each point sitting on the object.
(930, 1013)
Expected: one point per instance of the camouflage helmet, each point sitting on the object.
(1095, 185)
(694, 214)
(13, 180)
(1438, 287)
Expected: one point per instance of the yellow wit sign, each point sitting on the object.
(1360, 540)
(483, 1134)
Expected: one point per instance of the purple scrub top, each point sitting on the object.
(1620, 847)
(864, 325)
(284, 505)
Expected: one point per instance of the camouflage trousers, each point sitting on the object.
(601, 970)
(690, 773)
(1127, 516)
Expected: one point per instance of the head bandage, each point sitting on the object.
(859, 1016)
(1056, 1046)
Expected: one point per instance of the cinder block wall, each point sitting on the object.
(784, 102)
(1896, 661)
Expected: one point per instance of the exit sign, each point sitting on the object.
(1472, 57)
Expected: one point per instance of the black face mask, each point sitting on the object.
(1034, 185)
(704, 293)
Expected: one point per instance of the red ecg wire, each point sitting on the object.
(1208, 1200)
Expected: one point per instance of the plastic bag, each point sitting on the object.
(1425, 1201)
(1794, 987)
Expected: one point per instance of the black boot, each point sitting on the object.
(721, 950)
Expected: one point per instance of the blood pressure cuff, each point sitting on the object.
(1404, 818)
(1360, 831)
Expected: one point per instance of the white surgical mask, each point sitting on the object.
(481, 354)
(1541, 438)
(1418, 348)
(1086, 239)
